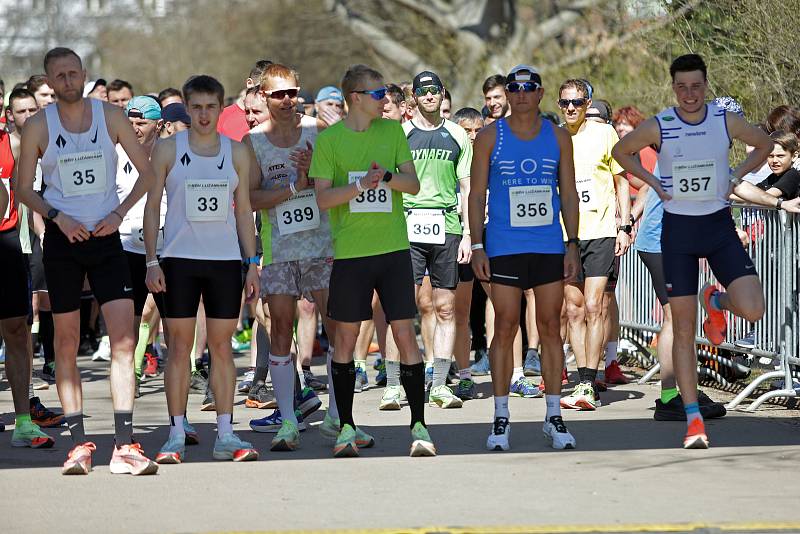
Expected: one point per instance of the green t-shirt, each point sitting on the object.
(441, 157)
(373, 223)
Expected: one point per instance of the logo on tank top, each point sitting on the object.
(60, 141)
(221, 163)
(185, 159)
(668, 118)
(127, 168)
(94, 139)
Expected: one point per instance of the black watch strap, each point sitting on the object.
(574, 240)
(53, 213)
(387, 176)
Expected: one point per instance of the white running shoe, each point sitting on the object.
(391, 398)
(498, 439)
(555, 431)
(103, 352)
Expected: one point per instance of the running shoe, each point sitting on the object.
(345, 446)
(191, 434)
(498, 439)
(130, 460)
(674, 410)
(696, 435)
(380, 378)
(30, 435)
(452, 374)
(240, 346)
(583, 397)
(533, 364)
(43, 417)
(38, 383)
(378, 363)
(230, 447)
(442, 396)
(715, 326)
(287, 438)
(524, 387)
(748, 341)
(247, 381)
(79, 459)
(362, 380)
(465, 390)
(428, 377)
(555, 431)
(481, 367)
(151, 365)
(273, 422)
(307, 402)
(391, 399)
(261, 397)
(209, 404)
(48, 373)
(198, 384)
(173, 451)
(614, 374)
(103, 352)
(421, 444)
(710, 409)
(313, 382)
(329, 430)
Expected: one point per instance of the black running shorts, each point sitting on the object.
(137, 263)
(440, 262)
(14, 283)
(218, 282)
(526, 271)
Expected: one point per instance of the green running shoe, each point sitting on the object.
(30, 435)
(346, 443)
(422, 444)
(287, 438)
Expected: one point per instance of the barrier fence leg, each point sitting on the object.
(650, 374)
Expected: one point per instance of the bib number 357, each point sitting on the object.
(694, 180)
(530, 205)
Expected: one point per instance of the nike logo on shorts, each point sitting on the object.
(505, 276)
(126, 289)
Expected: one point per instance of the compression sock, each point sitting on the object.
(441, 367)
(344, 382)
(413, 379)
(282, 370)
(501, 406)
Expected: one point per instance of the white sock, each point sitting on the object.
(465, 374)
(176, 426)
(30, 391)
(224, 424)
(553, 403)
(280, 368)
(611, 352)
(501, 406)
(566, 349)
(518, 373)
(333, 411)
(302, 376)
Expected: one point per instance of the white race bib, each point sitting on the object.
(378, 200)
(137, 235)
(694, 180)
(83, 173)
(426, 226)
(584, 183)
(530, 205)
(207, 200)
(299, 213)
(7, 184)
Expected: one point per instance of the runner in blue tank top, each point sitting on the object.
(526, 165)
(693, 139)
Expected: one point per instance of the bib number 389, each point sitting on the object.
(530, 205)
(378, 200)
(298, 214)
(207, 200)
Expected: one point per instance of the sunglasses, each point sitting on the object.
(576, 102)
(377, 94)
(280, 94)
(527, 87)
(425, 89)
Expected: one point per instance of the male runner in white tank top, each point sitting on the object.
(693, 139)
(75, 140)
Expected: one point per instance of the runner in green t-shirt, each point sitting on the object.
(361, 167)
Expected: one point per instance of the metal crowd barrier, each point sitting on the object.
(775, 249)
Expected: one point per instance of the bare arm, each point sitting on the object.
(31, 148)
(566, 184)
(163, 158)
(641, 199)
(404, 181)
(3, 199)
(464, 248)
(329, 197)
(475, 205)
(245, 227)
(646, 134)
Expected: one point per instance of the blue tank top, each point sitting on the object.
(648, 238)
(524, 206)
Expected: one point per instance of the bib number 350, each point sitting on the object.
(207, 200)
(530, 205)
(426, 226)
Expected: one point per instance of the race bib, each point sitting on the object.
(694, 180)
(137, 235)
(584, 183)
(83, 173)
(298, 214)
(426, 226)
(378, 200)
(530, 205)
(207, 200)
(7, 184)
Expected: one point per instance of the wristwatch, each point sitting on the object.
(53, 213)
(627, 228)
(573, 240)
(778, 205)
(251, 260)
(387, 176)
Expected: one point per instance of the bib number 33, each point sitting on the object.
(207, 200)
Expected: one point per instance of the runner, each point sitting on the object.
(233, 120)
(119, 93)
(494, 95)
(516, 159)
(96, 89)
(208, 213)
(75, 140)
(361, 167)
(693, 142)
(38, 85)
(442, 154)
(602, 189)
(255, 107)
(175, 119)
(168, 96)
(395, 107)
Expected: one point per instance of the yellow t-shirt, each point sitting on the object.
(594, 179)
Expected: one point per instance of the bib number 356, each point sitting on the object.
(530, 205)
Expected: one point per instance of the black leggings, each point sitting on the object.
(655, 266)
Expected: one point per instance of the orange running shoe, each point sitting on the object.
(715, 326)
(79, 459)
(614, 374)
(130, 459)
(696, 435)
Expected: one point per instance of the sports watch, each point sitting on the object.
(53, 213)
(387, 176)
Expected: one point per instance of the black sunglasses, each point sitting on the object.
(576, 102)
(280, 94)
(527, 87)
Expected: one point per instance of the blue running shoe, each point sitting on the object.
(307, 402)
(465, 389)
(523, 387)
(273, 422)
(380, 379)
(362, 380)
(191, 437)
(378, 363)
(533, 364)
(481, 366)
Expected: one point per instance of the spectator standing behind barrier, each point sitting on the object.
(784, 182)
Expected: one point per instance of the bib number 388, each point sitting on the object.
(530, 205)
(378, 200)
(207, 200)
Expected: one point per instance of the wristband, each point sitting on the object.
(573, 240)
(778, 205)
(251, 260)
(735, 180)
(359, 186)
(292, 188)
(152, 263)
(115, 212)
(477, 246)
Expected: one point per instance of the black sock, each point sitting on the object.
(412, 377)
(590, 375)
(298, 389)
(46, 336)
(260, 376)
(306, 368)
(582, 374)
(123, 428)
(344, 382)
(75, 424)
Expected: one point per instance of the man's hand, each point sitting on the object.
(301, 158)
(108, 225)
(373, 176)
(480, 265)
(330, 116)
(465, 249)
(743, 237)
(622, 244)
(252, 285)
(571, 264)
(154, 280)
(71, 228)
(792, 206)
(663, 195)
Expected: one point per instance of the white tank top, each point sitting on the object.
(693, 161)
(130, 230)
(87, 191)
(200, 222)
